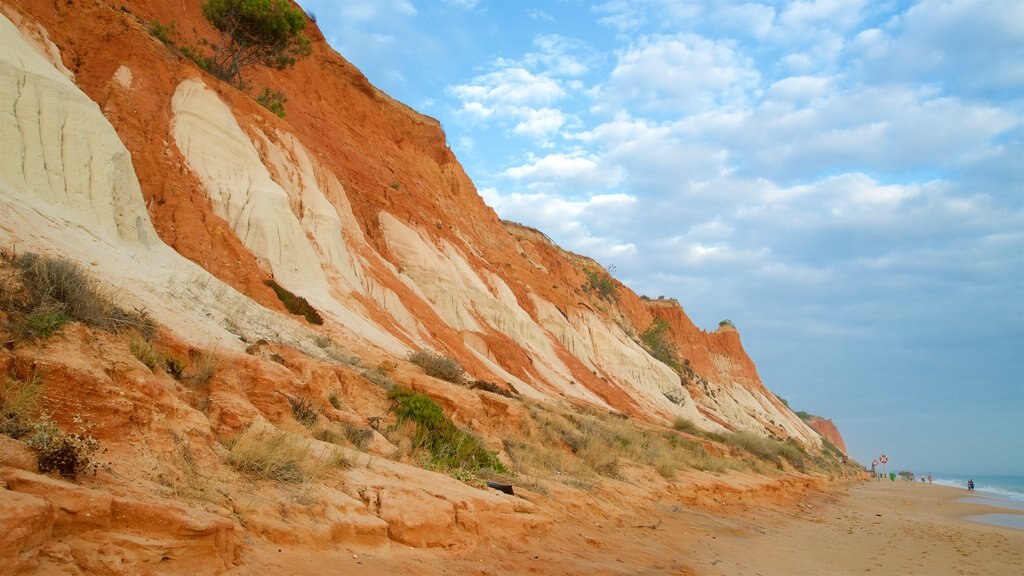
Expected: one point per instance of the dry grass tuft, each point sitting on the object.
(274, 456)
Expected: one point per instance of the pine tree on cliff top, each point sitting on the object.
(265, 32)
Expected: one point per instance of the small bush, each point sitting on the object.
(449, 447)
(145, 352)
(296, 304)
(438, 366)
(685, 425)
(163, 33)
(321, 341)
(273, 100)
(58, 290)
(67, 454)
(491, 387)
(359, 437)
(19, 402)
(174, 367)
(603, 284)
(380, 378)
(335, 401)
(271, 456)
(204, 367)
(45, 321)
(304, 410)
(658, 342)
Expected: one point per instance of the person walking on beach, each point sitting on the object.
(970, 485)
(929, 478)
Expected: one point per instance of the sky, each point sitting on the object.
(842, 179)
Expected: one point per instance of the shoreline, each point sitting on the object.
(876, 528)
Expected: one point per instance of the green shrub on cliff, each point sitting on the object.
(658, 342)
(255, 32)
(449, 447)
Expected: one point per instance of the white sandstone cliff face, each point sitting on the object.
(59, 149)
(68, 188)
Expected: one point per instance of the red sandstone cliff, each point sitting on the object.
(827, 429)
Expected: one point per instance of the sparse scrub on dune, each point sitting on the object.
(582, 445)
(380, 378)
(144, 352)
(438, 365)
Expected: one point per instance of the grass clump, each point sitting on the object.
(19, 402)
(380, 378)
(273, 100)
(769, 449)
(449, 447)
(273, 456)
(304, 410)
(685, 425)
(438, 366)
(335, 401)
(144, 352)
(55, 291)
(296, 304)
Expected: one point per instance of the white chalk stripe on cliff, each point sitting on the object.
(258, 208)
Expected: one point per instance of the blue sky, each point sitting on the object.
(842, 179)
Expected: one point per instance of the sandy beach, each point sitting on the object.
(876, 528)
(880, 528)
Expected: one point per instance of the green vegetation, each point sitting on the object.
(658, 342)
(144, 352)
(602, 283)
(273, 100)
(769, 449)
(438, 366)
(726, 322)
(255, 32)
(449, 447)
(295, 304)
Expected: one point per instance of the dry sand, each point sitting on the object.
(878, 528)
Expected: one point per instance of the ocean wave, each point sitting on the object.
(982, 487)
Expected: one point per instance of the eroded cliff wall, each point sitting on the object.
(354, 201)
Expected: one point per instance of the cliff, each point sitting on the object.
(828, 429)
(186, 197)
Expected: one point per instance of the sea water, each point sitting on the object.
(1004, 491)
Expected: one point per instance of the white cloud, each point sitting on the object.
(577, 171)
(540, 123)
(509, 87)
(685, 74)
